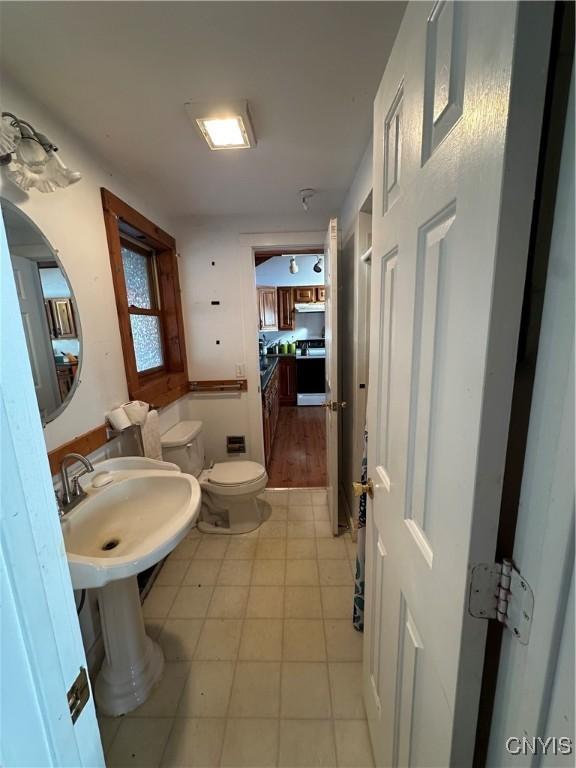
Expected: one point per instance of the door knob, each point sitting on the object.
(333, 406)
(360, 488)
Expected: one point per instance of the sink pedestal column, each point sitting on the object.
(134, 663)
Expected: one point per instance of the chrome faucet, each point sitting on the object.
(70, 497)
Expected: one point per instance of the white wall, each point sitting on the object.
(276, 271)
(217, 264)
(357, 194)
(72, 221)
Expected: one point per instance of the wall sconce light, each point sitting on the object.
(293, 266)
(30, 157)
(318, 266)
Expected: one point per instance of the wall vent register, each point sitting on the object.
(235, 444)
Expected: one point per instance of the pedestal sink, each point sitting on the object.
(112, 535)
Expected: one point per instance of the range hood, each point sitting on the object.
(312, 306)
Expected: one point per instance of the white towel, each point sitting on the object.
(151, 436)
(136, 411)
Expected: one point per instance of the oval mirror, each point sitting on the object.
(49, 313)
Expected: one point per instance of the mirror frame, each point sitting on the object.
(56, 255)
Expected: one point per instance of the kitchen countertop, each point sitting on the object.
(266, 374)
(314, 352)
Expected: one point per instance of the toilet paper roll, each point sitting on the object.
(118, 419)
(136, 410)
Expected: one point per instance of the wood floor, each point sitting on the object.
(298, 457)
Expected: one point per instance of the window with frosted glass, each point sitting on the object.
(139, 287)
(146, 336)
(145, 316)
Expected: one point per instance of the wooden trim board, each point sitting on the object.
(97, 437)
(219, 385)
(84, 444)
(124, 211)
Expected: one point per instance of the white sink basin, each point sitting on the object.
(122, 463)
(126, 527)
(117, 531)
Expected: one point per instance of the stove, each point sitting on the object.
(311, 372)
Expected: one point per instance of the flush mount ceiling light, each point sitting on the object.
(223, 126)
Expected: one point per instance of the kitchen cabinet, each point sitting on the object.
(286, 311)
(287, 375)
(270, 411)
(304, 294)
(268, 308)
(309, 294)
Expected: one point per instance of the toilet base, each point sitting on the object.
(240, 516)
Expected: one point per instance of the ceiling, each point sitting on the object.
(119, 74)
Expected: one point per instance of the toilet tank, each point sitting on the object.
(184, 445)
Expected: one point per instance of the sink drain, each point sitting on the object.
(112, 544)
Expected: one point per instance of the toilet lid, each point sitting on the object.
(236, 472)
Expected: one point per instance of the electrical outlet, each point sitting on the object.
(240, 371)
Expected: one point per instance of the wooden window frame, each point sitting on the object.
(158, 386)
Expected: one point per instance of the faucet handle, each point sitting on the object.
(77, 489)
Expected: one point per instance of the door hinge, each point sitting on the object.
(78, 694)
(498, 591)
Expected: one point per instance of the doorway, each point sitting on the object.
(291, 352)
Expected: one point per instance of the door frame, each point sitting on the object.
(248, 296)
(535, 684)
(553, 128)
(360, 231)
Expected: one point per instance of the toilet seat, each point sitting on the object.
(231, 473)
(234, 478)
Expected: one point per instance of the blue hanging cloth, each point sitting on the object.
(358, 613)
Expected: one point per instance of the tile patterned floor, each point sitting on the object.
(263, 666)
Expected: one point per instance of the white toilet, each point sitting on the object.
(229, 488)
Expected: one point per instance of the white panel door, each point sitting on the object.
(37, 334)
(332, 404)
(41, 650)
(455, 153)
